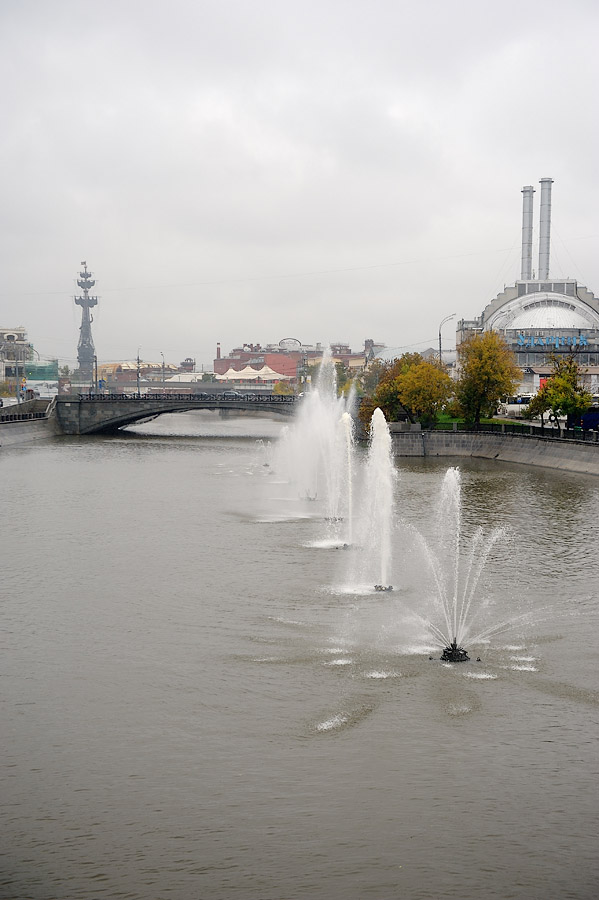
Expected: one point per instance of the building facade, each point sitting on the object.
(290, 359)
(15, 352)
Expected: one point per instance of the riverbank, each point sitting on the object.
(531, 450)
(24, 422)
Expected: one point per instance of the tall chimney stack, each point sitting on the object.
(218, 351)
(545, 228)
(527, 205)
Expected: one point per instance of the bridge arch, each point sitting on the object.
(105, 413)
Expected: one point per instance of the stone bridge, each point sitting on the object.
(98, 413)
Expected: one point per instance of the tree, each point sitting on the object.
(343, 379)
(408, 386)
(423, 390)
(538, 405)
(384, 395)
(488, 371)
(563, 392)
(283, 388)
(371, 376)
(312, 372)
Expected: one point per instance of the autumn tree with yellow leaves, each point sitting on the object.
(409, 386)
(487, 372)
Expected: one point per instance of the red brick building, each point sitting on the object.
(289, 360)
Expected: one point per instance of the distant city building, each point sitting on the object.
(126, 371)
(46, 370)
(288, 359)
(540, 315)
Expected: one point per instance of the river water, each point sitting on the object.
(191, 709)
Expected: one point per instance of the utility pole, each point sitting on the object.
(17, 379)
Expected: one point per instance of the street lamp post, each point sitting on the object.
(17, 378)
(138, 362)
(443, 321)
(162, 355)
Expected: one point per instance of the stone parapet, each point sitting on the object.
(568, 455)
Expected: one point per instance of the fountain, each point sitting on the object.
(314, 457)
(357, 502)
(453, 653)
(456, 566)
(380, 490)
(374, 525)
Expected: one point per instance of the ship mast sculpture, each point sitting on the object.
(86, 352)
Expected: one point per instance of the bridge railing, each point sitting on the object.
(21, 417)
(528, 429)
(197, 397)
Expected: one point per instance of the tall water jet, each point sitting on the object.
(347, 425)
(379, 502)
(314, 454)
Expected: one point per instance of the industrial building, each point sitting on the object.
(540, 315)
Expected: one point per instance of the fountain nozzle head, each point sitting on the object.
(453, 653)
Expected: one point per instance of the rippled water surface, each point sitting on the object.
(192, 708)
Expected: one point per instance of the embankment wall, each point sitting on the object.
(12, 433)
(567, 455)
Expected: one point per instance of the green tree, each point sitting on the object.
(371, 376)
(488, 371)
(343, 379)
(312, 371)
(563, 392)
(538, 405)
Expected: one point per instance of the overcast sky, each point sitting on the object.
(250, 170)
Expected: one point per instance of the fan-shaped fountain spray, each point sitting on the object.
(456, 564)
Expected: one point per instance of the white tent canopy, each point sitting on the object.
(250, 374)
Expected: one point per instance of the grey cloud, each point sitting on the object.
(206, 157)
